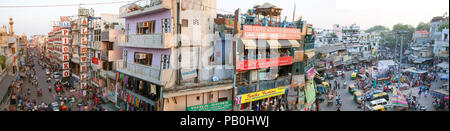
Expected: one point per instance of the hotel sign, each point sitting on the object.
(219, 106)
(246, 98)
(263, 32)
(66, 73)
(264, 63)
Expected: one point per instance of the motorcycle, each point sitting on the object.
(50, 88)
(49, 80)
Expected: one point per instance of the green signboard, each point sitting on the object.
(219, 106)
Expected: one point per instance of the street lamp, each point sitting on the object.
(401, 46)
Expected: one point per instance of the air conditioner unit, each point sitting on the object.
(146, 24)
(140, 56)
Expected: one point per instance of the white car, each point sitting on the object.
(55, 106)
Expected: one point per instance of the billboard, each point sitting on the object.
(264, 63)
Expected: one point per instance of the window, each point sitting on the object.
(97, 35)
(110, 46)
(147, 27)
(143, 58)
(165, 23)
(198, 98)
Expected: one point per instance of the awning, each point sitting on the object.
(249, 44)
(262, 44)
(289, 43)
(310, 54)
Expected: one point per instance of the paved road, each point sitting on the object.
(348, 104)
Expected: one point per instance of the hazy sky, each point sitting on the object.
(320, 13)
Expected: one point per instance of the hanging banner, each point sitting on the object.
(84, 21)
(65, 57)
(66, 73)
(65, 65)
(261, 95)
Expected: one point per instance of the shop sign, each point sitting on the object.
(94, 60)
(65, 32)
(297, 80)
(263, 32)
(310, 92)
(264, 63)
(241, 99)
(84, 40)
(83, 12)
(219, 106)
(65, 49)
(83, 68)
(66, 73)
(66, 65)
(188, 74)
(298, 56)
(83, 59)
(83, 85)
(84, 30)
(65, 40)
(65, 57)
(83, 50)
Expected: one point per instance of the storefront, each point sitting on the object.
(310, 94)
(266, 100)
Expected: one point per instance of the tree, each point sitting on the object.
(377, 28)
(423, 26)
(443, 26)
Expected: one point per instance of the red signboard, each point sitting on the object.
(95, 60)
(66, 73)
(262, 32)
(264, 63)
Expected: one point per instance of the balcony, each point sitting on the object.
(144, 7)
(11, 39)
(147, 41)
(106, 36)
(147, 73)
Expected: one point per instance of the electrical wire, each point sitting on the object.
(62, 5)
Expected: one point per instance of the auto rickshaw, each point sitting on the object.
(357, 97)
(326, 85)
(354, 75)
(351, 89)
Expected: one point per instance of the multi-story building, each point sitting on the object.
(350, 34)
(324, 37)
(9, 49)
(435, 23)
(271, 61)
(337, 30)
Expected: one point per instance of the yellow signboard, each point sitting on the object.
(261, 95)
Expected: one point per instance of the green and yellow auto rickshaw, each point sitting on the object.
(351, 89)
(354, 75)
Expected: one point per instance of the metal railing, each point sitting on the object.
(140, 5)
(150, 73)
(143, 41)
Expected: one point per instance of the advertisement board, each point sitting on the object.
(66, 73)
(260, 95)
(263, 32)
(94, 60)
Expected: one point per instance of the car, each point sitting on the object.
(55, 106)
(339, 73)
(47, 71)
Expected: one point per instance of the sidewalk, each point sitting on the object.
(5, 81)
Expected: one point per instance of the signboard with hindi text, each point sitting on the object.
(263, 32)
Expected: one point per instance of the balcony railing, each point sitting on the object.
(97, 45)
(106, 36)
(309, 46)
(147, 73)
(146, 41)
(143, 7)
(108, 55)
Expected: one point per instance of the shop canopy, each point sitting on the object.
(275, 44)
(249, 44)
(412, 70)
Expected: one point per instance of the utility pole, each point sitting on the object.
(401, 46)
(178, 43)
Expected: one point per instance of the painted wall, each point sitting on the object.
(156, 58)
(182, 102)
(148, 17)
